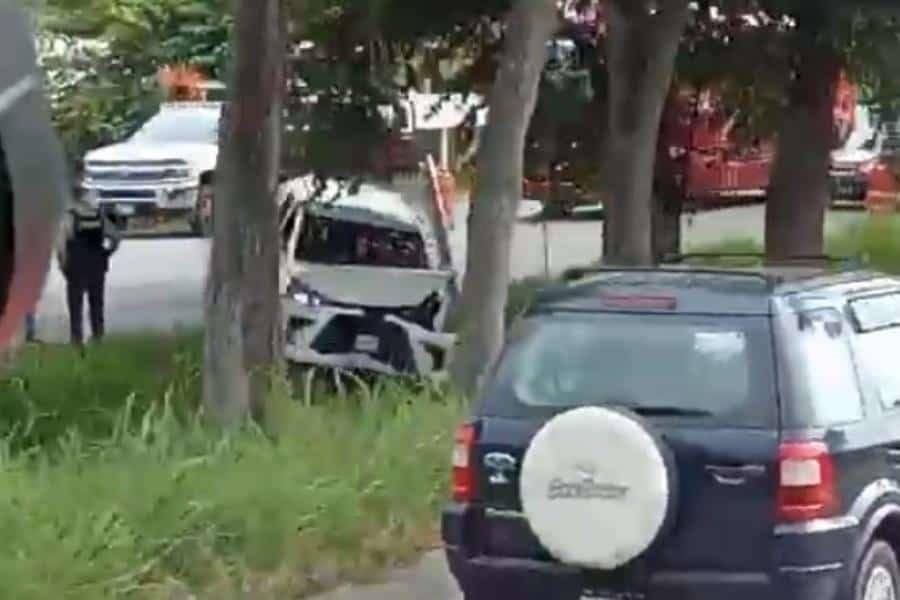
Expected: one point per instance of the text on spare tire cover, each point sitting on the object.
(586, 488)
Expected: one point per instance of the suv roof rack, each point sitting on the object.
(577, 273)
(845, 262)
(796, 268)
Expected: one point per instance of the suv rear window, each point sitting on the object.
(712, 369)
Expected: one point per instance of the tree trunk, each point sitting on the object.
(668, 203)
(243, 316)
(498, 191)
(799, 190)
(642, 43)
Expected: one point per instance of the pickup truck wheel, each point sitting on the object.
(878, 577)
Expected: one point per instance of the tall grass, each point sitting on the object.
(118, 489)
(874, 243)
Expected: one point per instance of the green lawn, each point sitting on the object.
(111, 486)
(875, 244)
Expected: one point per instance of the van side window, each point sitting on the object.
(821, 378)
(878, 345)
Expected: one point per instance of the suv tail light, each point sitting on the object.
(807, 486)
(464, 475)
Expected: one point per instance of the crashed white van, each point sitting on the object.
(363, 290)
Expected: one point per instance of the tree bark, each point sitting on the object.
(642, 40)
(799, 190)
(243, 316)
(498, 191)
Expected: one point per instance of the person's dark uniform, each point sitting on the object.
(91, 239)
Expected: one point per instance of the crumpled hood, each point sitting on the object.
(373, 287)
(200, 156)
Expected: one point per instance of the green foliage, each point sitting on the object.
(753, 64)
(874, 243)
(158, 506)
(102, 57)
(95, 388)
(365, 55)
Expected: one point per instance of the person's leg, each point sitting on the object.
(96, 298)
(75, 298)
(30, 327)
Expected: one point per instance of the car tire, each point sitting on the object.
(878, 577)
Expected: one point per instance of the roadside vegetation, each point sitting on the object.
(117, 488)
(874, 243)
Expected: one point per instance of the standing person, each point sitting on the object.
(87, 242)
(30, 328)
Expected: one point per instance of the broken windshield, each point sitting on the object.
(334, 242)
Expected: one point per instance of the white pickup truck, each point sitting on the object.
(165, 170)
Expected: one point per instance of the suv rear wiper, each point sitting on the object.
(669, 411)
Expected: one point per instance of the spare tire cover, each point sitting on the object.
(596, 487)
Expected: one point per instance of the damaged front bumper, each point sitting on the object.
(362, 339)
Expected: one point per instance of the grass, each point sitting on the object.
(116, 489)
(874, 244)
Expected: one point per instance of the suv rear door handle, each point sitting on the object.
(735, 475)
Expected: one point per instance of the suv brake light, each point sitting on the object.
(807, 486)
(639, 302)
(464, 476)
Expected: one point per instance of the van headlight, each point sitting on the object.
(307, 299)
(303, 294)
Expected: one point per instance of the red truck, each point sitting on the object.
(711, 163)
(864, 169)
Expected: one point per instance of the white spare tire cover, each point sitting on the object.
(596, 487)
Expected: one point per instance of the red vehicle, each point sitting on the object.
(711, 163)
(699, 146)
(716, 166)
(864, 169)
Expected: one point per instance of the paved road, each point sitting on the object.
(429, 580)
(157, 284)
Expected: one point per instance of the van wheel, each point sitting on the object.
(878, 577)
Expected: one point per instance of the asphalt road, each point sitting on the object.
(157, 283)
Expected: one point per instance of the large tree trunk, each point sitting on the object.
(243, 317)
(642, 40)
(498, 191)
(799, 190)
